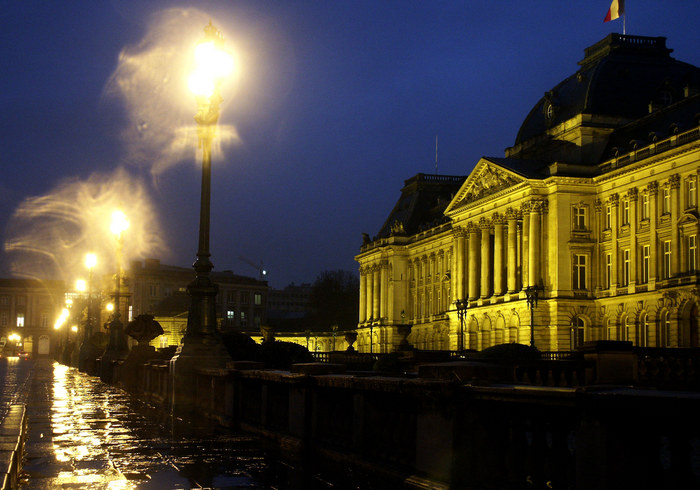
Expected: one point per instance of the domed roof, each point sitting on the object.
(623, 77)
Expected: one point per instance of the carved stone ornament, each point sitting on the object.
(397, 228)
(143, 328)
(488, 181)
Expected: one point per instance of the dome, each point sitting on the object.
(621, 79)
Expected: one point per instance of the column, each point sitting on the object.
(485, 226)
(498, 272)
(363, 295)
(512, 218)
(525, 254)
(535, 241)
(459, 264)
(614, 204)
(633, 197)
(370, 292)
(383, 288)
(675, 181)
(653, 216)
(473, 261)
(375, 293)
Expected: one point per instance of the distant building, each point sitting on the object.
(29, 309)
(594, 208)
(288, 309)
(161, 290)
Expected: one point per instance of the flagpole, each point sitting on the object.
(624, 24)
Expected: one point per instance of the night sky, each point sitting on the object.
(334, 104)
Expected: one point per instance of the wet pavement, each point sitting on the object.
(84, 434)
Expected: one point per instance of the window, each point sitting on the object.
(579, 218)
(692, 253)
(258, 299)
(645, 206)
(667, 259)
(692, 192)
(608, 271)
(577, 333)
(44, 320)
(579, 271)
(4, 319)
(245, 298)
(4, 300)
(645, 263)
(625, 211)
(153, 290)
(666, 201)
(630, 333)
(608, 217)
(230, 314)
(665, 329)
(643, 332)
(21, 300)
(626, 267)
(20, 319)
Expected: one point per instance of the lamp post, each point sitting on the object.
(461, 305)
(117, 347)
(201, 345)
(532, 293)
(84, 358)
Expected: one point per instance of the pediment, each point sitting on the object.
(486, 179)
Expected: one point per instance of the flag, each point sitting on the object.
(617, 8)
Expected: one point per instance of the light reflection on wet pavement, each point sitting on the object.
(84, 434)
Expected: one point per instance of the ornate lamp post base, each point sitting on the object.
(116, 350)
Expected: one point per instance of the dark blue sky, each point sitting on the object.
(335, 104)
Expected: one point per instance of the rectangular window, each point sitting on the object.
(21, 300)
(258, 299)
(645, 206)
(4, 300)
(667, 259)
(153, 290)
(692, 193)
(625, 211)
(626, 267)
(692, 253)
(666, 201)
(230, 314)
(608, 217)
(645, 263)
(4, 319)
(245, 298)
(579, 271)
(44, 320)
(579, 218)
(20, 319)
(608, 271)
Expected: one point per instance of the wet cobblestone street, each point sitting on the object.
(84, 434)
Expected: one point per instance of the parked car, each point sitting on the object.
(24, 355)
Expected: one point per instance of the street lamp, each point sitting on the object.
(532, 293)
(117, 347)
(461, 305)
(201, 344)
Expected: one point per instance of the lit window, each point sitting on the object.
(625, 211)
(645, 206)
(667, 259)
(608, 271)
(645, 263)
(666, 201)
(258, 299)
(230, 314)
(692, 253)
(692, 188)
(665, 326)
(579, 218)
(579, 271)
(20, 319)
(608, 217)
(626, 267)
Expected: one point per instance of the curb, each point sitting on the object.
(13, 431)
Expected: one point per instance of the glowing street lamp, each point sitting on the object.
(117, 347)
(201, 344)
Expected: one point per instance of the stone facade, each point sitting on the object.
(594, 209)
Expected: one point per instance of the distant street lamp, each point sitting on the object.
(201, 344)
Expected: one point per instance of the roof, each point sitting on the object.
(619, 77)
(421, 205)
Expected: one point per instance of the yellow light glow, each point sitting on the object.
(90, 260)
(212, 66)
(119, 222)
(80, 285)
(69, 302)
(110, 306)
(61, 319)
(14, 337)
(74, 328)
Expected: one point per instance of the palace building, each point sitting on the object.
(586, 230)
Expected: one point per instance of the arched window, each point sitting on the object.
(577, 333)
(643, 331)
(665, 329)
